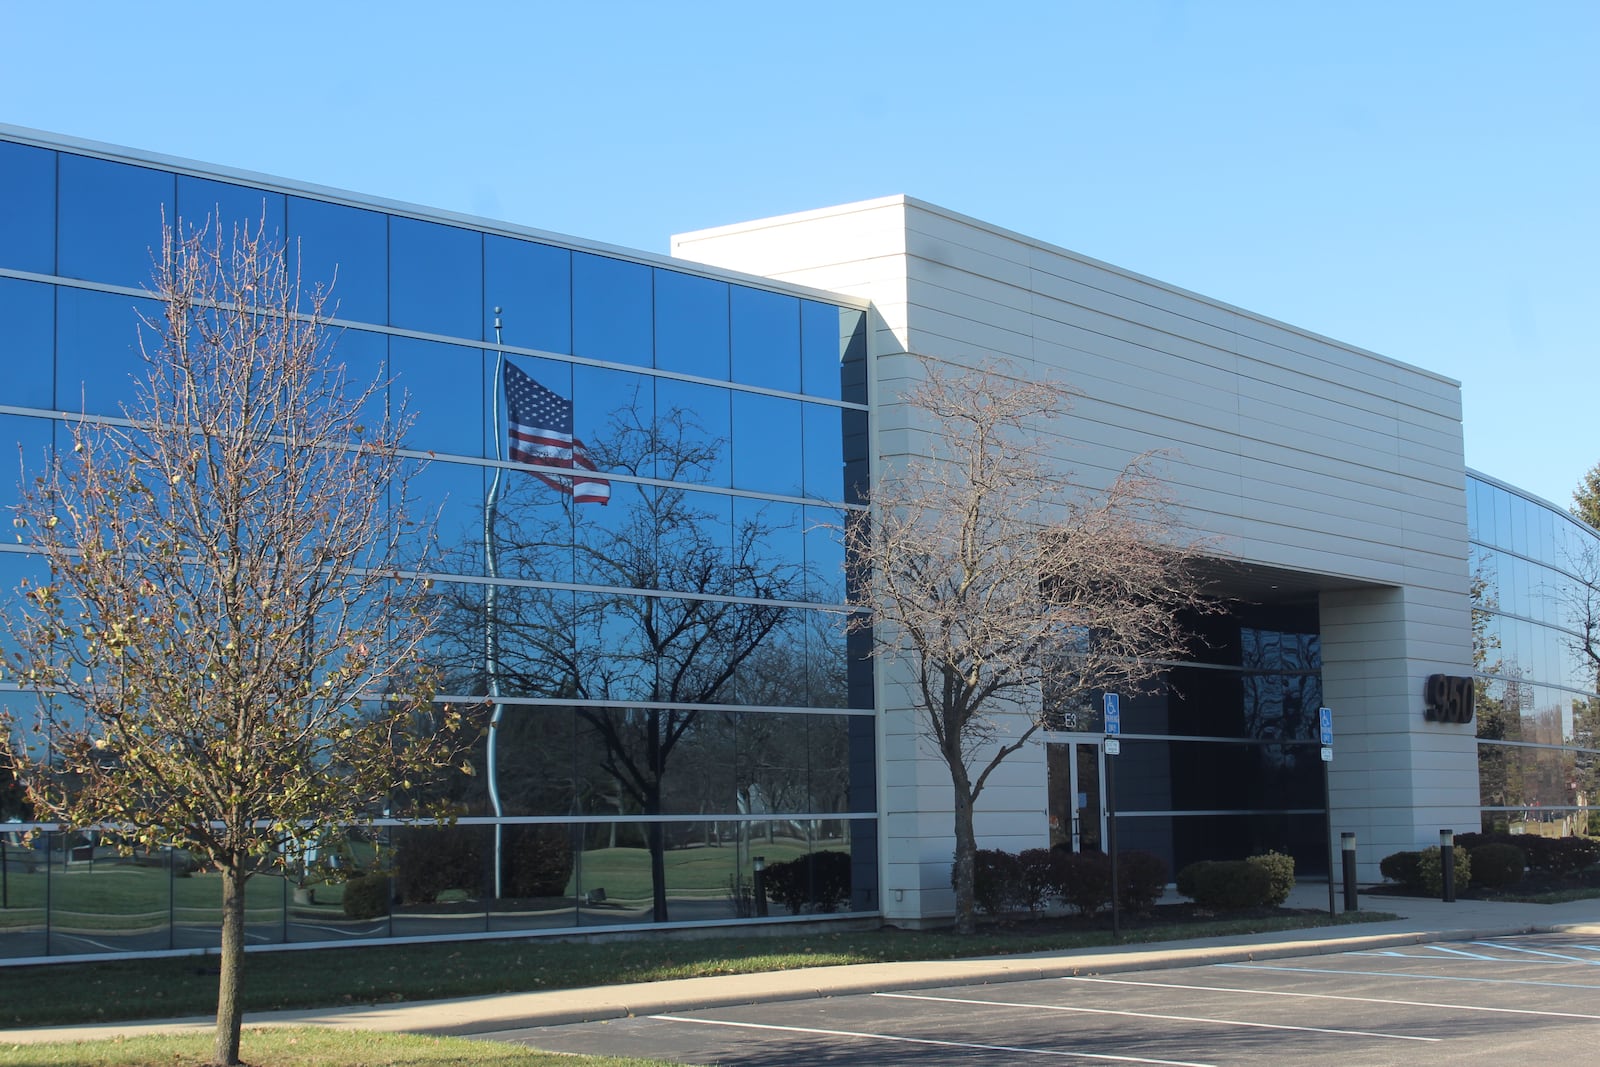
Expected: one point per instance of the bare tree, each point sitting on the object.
(227, 653)
(983, 570)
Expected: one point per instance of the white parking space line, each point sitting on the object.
(1336, 996)
(1541, 952)
(1059, 1053)
(1461, 952)
(1164, 1018)
(1407, 974)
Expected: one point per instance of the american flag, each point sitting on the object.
(540, 433)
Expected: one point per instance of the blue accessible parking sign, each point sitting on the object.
(1326, 716)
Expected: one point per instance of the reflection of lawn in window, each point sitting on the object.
(700, 871)
(111, 895)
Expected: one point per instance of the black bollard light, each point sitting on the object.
(1347, 845)
(1447, 864)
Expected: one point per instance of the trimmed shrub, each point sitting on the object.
(1401, 868)
(431, 859)
(538, 860)
(815, 883)
(1083, 880)
(1225, 884)
(1280, 874)
(1552, 855)
(1430, 871)
(1036, 881)
(996, 881)
(366, 896)
(1496, 865)
(1141, 879)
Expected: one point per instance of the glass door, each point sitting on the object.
(1077, 797)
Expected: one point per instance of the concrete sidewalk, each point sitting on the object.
(1423, 920)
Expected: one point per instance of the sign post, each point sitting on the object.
(1113, 709)
(1325, 723)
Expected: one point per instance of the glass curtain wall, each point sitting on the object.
(651, 620)
(1536, 593)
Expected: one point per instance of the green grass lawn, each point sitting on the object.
(65, 993)
(300, 1047)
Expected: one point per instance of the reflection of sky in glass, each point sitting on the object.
(27, 208)
(110, 219)
(28, 311)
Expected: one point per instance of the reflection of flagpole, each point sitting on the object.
(491, 630)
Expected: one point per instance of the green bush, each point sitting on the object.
(996, 881)
(1401, 868)
(1141, 879)
(1430, 871)
(1226, 884)
(429, 860)
(538, 860)
(1496, 865)
(1280, 875)
(819, 882)
(1082, 880)
(1036, 881)
(366, 896)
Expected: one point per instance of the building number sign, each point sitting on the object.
(1448, 698)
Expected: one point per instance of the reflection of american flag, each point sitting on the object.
(540, 432)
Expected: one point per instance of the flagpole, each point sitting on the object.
(491, 630)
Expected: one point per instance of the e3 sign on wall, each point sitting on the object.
(1447, 698)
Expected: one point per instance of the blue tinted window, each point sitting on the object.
(765, 431)
(28, 208)
(611, 317)
(443, 388)
(692, 424)
(202, 202)
(532, 285)
(446, 501)
(28, 440)
(27, 344)
(532, 530)
(691, 325)
(768, 539)
(613, 412)
(822, 438)
(435, 278)
(824, 533)
(554, 375)
(766, 339)
(344, 250)
(97, 349)
(111, 216)
(821, 348)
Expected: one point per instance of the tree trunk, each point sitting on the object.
(966, 856)
(657, 838)
(225, 1048)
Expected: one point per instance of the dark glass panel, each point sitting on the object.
(611, 310)
(111, 216)
(828, 746)
(766, 430)
(1221, 775)
(770, 548)
(97, 349)
(435, 278)
(442, 386)
(531, 283)
(203, 203)
(857, 460)
(28, 208)
(822, 439)
(766, 339)
(691, 324)
(534, 749)
(693, 430)
(853, 357)
(316, 902)
(771, 764)
(342, 250)
(1187, 839)
(443, 879)
(824, 337)
(27, 345)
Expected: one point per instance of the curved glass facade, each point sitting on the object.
(657, 635)
(1536, 589)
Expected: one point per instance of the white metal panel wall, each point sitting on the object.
(1285, 449)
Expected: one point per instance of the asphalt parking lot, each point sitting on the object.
(1513, 999)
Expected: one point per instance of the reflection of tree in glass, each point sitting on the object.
(705, 607)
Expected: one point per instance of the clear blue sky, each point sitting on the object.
(1418, 178)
